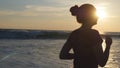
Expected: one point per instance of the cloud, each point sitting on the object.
(7, 12)
(44, 8)
(32, 10)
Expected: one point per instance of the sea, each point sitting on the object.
(44, 53)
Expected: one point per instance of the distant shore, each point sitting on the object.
(42, 34)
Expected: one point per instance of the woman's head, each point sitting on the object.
(85, 14)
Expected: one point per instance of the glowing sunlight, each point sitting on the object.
(101, 13)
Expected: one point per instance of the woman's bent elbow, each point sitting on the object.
(102, 64)
(61, 56)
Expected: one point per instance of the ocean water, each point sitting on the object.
(44, 53)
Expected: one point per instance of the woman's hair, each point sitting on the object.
(83, 12)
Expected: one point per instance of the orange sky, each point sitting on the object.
(54, 14)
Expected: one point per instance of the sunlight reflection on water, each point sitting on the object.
(103, 45)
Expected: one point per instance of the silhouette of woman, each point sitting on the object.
(85, 41)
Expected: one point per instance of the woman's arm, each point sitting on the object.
(64, 54)
(101, 56)
(65, 51)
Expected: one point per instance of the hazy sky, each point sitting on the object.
(54, 14)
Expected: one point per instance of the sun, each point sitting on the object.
(101, 13)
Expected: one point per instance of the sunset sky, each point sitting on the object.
(55, 15)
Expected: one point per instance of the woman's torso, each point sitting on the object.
(83, 42)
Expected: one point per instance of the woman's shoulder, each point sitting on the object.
(97, 35)
(75, 32)
(80, 31)
(95, 31)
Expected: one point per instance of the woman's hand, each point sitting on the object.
(108, 41)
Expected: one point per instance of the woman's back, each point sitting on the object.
(82, 43)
